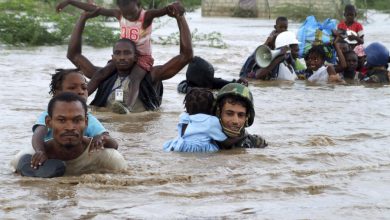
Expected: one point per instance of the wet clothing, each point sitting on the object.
(376, 76)
(149, 95)
(199, 136)
(319, 76)
(94, 126)
(284, 71)
(251, 141)
(98, 161)
(142, 37)
(107, 159)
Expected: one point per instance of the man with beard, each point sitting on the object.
(119, 89)
(234, 108)
(68, 151)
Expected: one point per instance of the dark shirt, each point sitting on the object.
(150, 95)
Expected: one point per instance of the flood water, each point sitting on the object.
(328, 156)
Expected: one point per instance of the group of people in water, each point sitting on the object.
(69, 140)
(352, 62)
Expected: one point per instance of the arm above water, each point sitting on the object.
(74, 53)
(88, 7)
(174, 65)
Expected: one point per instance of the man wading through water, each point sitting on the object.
(114, 81)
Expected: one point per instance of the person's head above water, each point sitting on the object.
(67, 117)
(281, 24)
(69, 80)
(124, 55)
(315, 58)
(200, 73)
(234, 107)
(199, 100)
(352, 60)
(130, 9)
(286, 38)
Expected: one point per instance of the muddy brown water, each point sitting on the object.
(328, 157)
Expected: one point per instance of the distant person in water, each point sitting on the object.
(68, 152)
(377, 64)
(200, 74)
(115, 89)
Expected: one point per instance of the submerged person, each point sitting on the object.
(200, 74)
(234, 108)
(136, 25)
(281, 25)
(68, 80)
(285, 65)
(115, 89)
(319, 72)
(351, 72)
(198, 129)
(377, 64)
(68, 152)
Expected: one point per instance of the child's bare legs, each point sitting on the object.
(136, 76)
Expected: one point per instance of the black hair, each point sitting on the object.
(317, 49)
(349, 7)
(233, 99)
(200, 73)
(65, 97)
(126, 40)
(199, 100)
(58, 78)
(122, 3)
(280, 19)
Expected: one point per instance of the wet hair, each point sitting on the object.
(58, 78)
(317, 49)
(281, 19)
(200, 73)
(234, 99)
(126, 40)
(122, 3)
(199, 100)
(349, 8)
(65, 97)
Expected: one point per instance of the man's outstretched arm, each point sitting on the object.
(74, 48)
(173, 66)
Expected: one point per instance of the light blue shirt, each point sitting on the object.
(94, 126)
(200, 135)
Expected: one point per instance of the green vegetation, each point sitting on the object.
(381, 5)
(299, 13)
(35, 22)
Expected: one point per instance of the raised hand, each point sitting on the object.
(91, 14)
(175, 9)
(62, 5)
